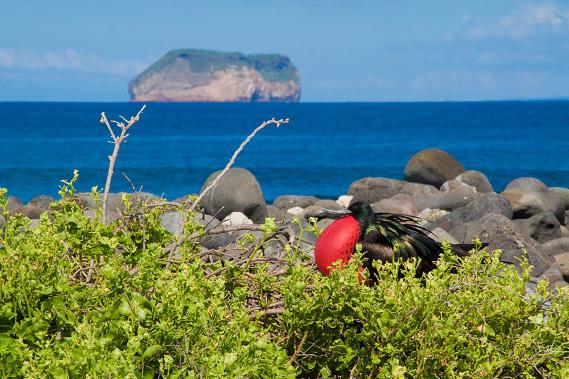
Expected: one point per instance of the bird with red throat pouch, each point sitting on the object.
(385, 237)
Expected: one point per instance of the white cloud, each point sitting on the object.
(67, 60)
(524, 22)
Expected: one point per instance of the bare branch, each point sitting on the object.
(235, 154)
(113, 157)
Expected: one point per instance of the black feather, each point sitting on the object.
(388, 237)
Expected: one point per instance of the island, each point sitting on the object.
(195, 75)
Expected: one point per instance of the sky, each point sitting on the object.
(346, 50)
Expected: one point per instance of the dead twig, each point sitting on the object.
(124, 126)
(234, 156)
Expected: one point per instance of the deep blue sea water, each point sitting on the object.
(326, 146)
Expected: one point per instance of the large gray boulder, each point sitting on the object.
(290, 201)
(476, 179)
(475, 210)
(432, 166)
(237, 191)
(372, 190)
(502, 233)
(542, 227)
(530, 199)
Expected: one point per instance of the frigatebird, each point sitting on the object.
(385, 237)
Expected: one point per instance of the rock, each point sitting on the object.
(237, 191)
(476, 179)
(296, 211)
(344, 201)
(441, 235)
(324, 223)
(432, 166)
(564, 231)
(229, 241)
(14, 204)
(502, 233)
(456, 186)
(553, 275)
(475, 210)
(566, 218)
(372, 190)
(207, 221)
(114, 201)
(528, 201)
(542, 227)
(278, 214)
(312, 210)
(111, 215)
(35, 222)
(291, 201)
(562, 194)
(42, 201)
(192, 75)
(401, 203)
(31, 211)
(527, 184)
(236, 219)
(430, 215)
(447, 201)
(172, 222)
(556, 246)
(562, 262)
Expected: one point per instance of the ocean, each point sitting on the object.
(324, 148)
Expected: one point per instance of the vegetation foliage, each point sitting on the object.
(80, 298)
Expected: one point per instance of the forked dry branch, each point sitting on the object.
(124, 126)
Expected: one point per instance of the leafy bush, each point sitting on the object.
(79, 298)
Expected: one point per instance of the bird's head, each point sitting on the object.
(362, 212)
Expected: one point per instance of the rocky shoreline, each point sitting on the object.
(528, 219)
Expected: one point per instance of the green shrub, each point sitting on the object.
(82, 299)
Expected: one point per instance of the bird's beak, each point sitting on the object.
(329, 213)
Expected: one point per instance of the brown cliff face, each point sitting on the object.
(206, 76)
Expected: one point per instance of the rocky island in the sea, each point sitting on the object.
(192, 75)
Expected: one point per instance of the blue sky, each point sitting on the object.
(358, 50)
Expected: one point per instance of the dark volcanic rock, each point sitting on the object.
(290, 201)
(542, 227)
(432, 166)
(372, 190)
(485, 204)
(476, 179)
(502, 233)
(237, 191)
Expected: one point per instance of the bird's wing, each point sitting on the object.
(403, 235)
